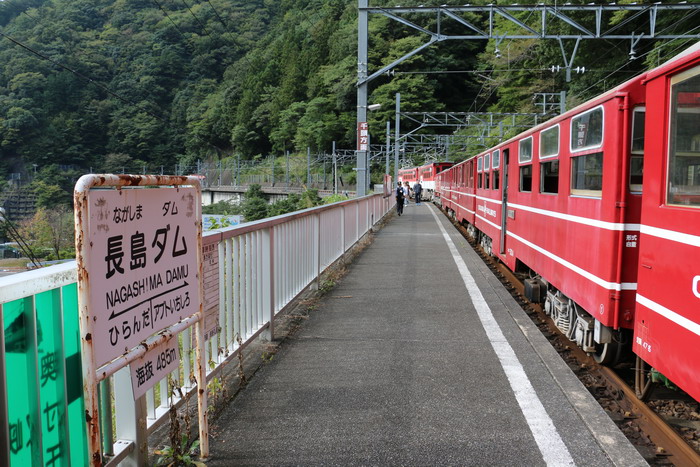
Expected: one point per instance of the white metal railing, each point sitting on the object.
(262, 267)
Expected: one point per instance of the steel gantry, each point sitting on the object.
(541, 20)
(470, 119)
(572, 22)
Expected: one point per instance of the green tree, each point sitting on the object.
(50, 196)
(51, 229)
(255, 209)
(285, 206)
(223, 208)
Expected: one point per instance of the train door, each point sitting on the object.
(504, 199)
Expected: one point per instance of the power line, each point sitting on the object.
(176, 26)
(218, 16)
(101, 86)
(204, 28)
(67, 68)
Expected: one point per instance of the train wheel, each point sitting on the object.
(642, 379)
(608, 354)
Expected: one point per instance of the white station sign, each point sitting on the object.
(141, 264)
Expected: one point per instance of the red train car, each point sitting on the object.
(408, 175)
(455, 192)
(427, 174)
(601, 206)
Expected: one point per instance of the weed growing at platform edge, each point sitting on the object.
(182, 449)
(326, 286)
(216, 390)
(243, 382)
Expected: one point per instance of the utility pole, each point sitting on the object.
(397, 130)
(308, 167)
(362, 59)
(273, 169)
(335, 171)
(388, 145)
(447, 148)
(286, 174)
(562, 102)
(369, 166)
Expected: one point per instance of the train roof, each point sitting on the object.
(675, 62)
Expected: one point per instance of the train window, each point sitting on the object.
(684, 140)
(487, 174)
(526, 178)
(549, 142)
(496, 181)
(480, 176)
(549, 177)
(496, 158)
(587, 175)
(637, 157)
(587, 130)
(471, 175)
(525, 152)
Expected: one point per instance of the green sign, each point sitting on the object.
(44, 380)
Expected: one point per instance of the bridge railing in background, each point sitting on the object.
(262, 266)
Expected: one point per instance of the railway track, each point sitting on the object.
(653, 435)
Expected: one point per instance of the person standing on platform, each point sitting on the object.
(399, 198)
(406, 193)
(417, 190)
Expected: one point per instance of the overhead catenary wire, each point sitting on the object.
(683, 44)
(477, 72)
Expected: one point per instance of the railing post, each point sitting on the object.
(201, 375)
(222, 337)
(268, 260)
(357, 222)
(106, 416)
(130, 418)
(342, 228)
(317, 251)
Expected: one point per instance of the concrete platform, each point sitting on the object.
(418, 356)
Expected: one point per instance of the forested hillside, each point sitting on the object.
(105, 84)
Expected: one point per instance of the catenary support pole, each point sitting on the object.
(361, 93)
(388, 145)
(397, 130)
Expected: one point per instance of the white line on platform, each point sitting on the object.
(553, 449)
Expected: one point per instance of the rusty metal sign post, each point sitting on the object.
(139, 255)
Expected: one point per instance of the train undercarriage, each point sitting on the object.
(606, 345)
